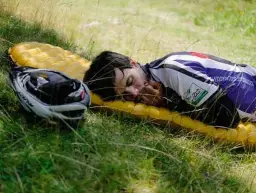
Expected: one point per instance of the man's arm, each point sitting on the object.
(219, 111)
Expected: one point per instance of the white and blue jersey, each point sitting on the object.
(198, 78)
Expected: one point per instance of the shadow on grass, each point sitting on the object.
(41, 157)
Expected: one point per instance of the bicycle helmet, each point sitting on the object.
(50, 94)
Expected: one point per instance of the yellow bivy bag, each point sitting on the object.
(46, 56)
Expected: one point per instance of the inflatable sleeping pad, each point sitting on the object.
(40, 55)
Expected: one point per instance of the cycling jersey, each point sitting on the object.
(199, 78)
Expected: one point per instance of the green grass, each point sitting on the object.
(232, 17)
(116, 153)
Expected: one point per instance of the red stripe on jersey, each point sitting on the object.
(200, 55)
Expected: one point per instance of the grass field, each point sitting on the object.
(115, 153)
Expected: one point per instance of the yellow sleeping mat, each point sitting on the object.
(40, 55)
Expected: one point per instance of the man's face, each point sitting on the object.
(130, 83)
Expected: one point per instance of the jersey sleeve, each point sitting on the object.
(191, 84)
(220, 112)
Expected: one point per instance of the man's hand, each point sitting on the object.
(153, 94)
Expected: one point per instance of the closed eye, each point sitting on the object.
(129, 81)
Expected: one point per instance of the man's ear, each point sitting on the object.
(133, 62)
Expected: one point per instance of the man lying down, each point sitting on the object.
(213, 90)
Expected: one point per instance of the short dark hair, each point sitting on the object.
(101, 75)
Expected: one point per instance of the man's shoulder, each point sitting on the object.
(176, 54)
(159, 61)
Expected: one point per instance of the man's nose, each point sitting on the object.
(133, 92)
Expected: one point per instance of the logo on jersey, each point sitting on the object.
(195, 94)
